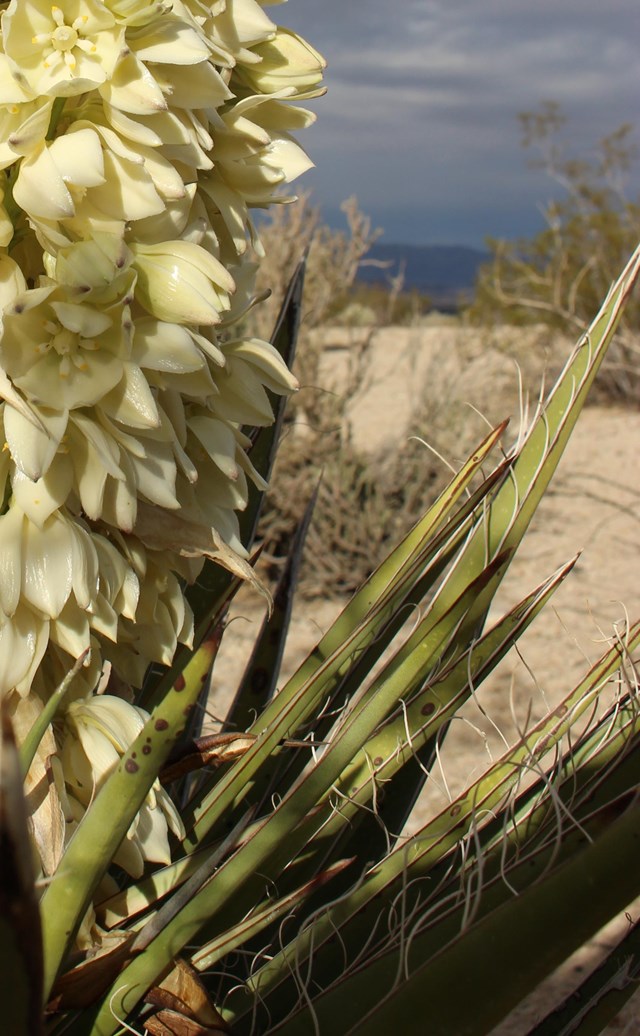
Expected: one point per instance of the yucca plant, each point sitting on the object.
(257, 880)
(292, 894)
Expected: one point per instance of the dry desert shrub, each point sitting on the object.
(371, 399)
(389, 415)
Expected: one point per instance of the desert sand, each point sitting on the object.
(593, 506)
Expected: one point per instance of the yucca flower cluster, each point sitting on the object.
(137, 136)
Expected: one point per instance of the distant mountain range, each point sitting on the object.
(443, 272)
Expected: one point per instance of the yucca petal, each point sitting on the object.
(70, 630)
(33, 447)
(47, 565)
(151, 836)
(131, 401)
(159, 345)
(40, 498)
(192, 86)
(242, 396)
(218, 440)
(79, 385)
(87, 757)
(287, 61)
(171, 42)
(82, 320)
(287, 158)
(171, 222)
(23, 641)
(119, 501)
(40, 189)
(11, 563)
(12, 90)
(91, 264)
(12, 282)
(84, 564)
(267, 360)
(133, 89)
(130, 858)
(78, 157)
(156, 475)
(115, 718)
(104, 618)
(170, 292)
(128, 193)
(118, 581)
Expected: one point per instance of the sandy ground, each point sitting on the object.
(593, 507)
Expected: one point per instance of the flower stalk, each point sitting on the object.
(136, 140)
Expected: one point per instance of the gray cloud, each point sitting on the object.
(420, 116)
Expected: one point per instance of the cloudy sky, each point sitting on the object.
(420, 116)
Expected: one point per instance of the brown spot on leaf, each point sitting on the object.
(161, 724)
(131, 767)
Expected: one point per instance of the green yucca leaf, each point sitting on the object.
(391, 751)
(264, 917)
(572, 902)
(266, 440)
(600, 997)
(360, 625)
(416, 580)
(263, 667)
(537, 458)
(401, 869)
(104, 825)
(358, 914)
(516, 499)
(251, 858)
(308, 811)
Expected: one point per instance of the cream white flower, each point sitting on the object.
(98, 730)
(240, 26)
(23, 122)
(285, 62)
(60, 352)
(61, 50)
(137, 136)
(43, 564)
(180, 282)
(52, 171)
(249, 366)
(68, 188)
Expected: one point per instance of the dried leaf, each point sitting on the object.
(46, 818)
(186, 1008)
(172, 1023)
(84, 984)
